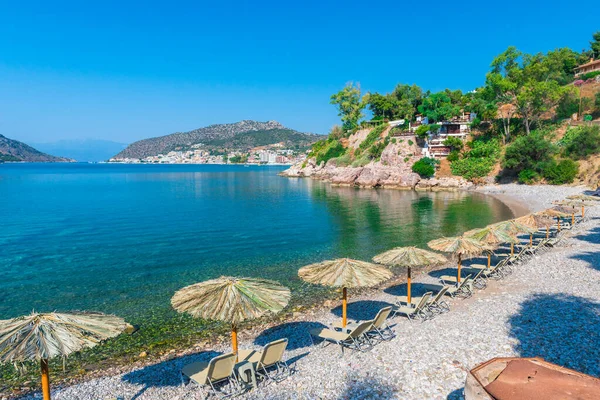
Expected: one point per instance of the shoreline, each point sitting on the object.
(511, 196)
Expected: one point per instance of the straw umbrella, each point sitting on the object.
(552, 213)
(492, 236)
(459, 246)
(583, 198)
(573, 204)
(514, 227)
(344, 273)
(231, 300)
(409, 257)
(529, 220)
(42, 336)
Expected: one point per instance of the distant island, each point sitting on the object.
(246, 141)
(15, 151)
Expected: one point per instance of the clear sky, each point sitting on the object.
(125, 71)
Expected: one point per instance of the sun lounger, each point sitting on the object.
(380, 329)
(268, 363)
(420, 311)
(355, 339)
(218, 370)
(437, 304)
(464, 289)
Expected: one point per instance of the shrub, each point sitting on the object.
(528, 152)
(342, 161)
(453, 156)
(581, 142)
(323, 152)
(376, 150)
(394, 140)
(425, 167)
(560, 173)
(567, 106)
(361, 162)
(589, 75)
(454, 143)
(472, 168)
(406, 159)
(597, 101)
(410, 142)
(371, 138)
(422, 131)
(528, 176)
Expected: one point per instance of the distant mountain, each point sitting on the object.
(13, 150)
(86, 150)
(239, 136)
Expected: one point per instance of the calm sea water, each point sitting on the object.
(124, 238)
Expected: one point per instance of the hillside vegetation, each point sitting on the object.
(521, 130)
(220, 138)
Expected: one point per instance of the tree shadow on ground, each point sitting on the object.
(591, 258)
(416, 289)
(361, 310)
(166, 373)
(296, 333)
(591, 236)
(560, 328)
(457, 394)
(362, 388)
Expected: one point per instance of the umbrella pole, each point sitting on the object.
(408, 285)
(512, 249)
(458, 274)
(558, 222)
(489, 260)
(234, 341)
(547, 231)
(582, 212)
(530, 239)
(45, 379)
(573, 219)
(344, 305)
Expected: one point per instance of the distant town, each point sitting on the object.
(274, 154)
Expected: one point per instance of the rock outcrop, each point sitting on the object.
(392, 170)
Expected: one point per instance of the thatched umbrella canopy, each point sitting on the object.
(530, 221)
(514, 227)
(552, 213)
(459, 246)
(231, 300)
(42, 336)
(409, 257)
(344, 273)
(583, 197)
(573, 204)
(492, 236)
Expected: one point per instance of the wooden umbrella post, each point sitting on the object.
(547, 231)
(512, 249)
(45, 379)
(234, 341)
(573, 218)
(558, 222)
(344, 305)
(408, 286)
(489, 260)
(582, 212)
(458, 274)
(530, 240)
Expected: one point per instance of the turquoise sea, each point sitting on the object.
(124, 238)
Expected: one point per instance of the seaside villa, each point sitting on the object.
(591, 66)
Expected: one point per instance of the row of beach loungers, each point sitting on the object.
(223, 377)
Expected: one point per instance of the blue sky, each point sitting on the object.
(125, 72)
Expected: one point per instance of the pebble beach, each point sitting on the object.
(548, 307)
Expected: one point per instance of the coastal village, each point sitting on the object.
(274, 154)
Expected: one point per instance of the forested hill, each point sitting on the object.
(13, 150)
(239, 136)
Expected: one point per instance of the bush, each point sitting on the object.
(597, 101)
(425, 167)
(453, 156)
(589, 75)
(472, 168)
(422, 131)
(567, 106)
(528, 152)
(361, 162)
(560, 173)
(324, 150)
(342, 161)
(371, 138)
(528, 176)
(581, 142)
(410, 142)
(376, 150)
(454, 143)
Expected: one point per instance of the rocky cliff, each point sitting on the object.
(392, 170)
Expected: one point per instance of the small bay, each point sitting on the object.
(123, 238)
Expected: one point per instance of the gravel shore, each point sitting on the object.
(549, 307)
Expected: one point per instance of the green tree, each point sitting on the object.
(350, 105)
(439, 107)
(384, 106)
(528, 152)
(595, 45)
